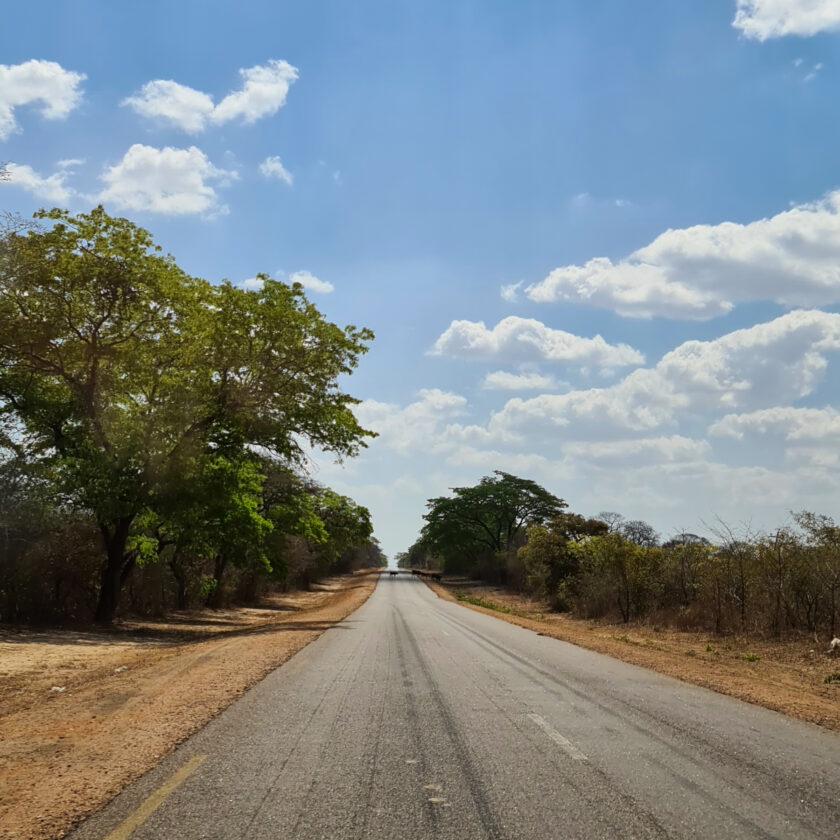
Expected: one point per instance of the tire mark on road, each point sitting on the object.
(413, 715)
(485, 813)
(738, 763)
(383, 703)
(303, 729)
(577, 782)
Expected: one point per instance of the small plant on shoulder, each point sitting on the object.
(710, 648)
(691, 653)
(832, 678)
(480, 602)
(750, 657)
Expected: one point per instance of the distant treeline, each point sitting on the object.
(153, 429)
(511, 531)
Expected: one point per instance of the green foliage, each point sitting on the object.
(476, 526)
(750, 657)
(141, 394)
(481, 602)
(784, 582)
(419, 556)
(615, 572)
(832, 678)
(550, 565)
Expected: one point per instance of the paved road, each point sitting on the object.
(417, 718)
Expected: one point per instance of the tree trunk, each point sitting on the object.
(115, 570)
(181, 583)
(215, 598)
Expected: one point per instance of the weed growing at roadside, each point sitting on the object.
(750, 657)
(831, 678)
(480, 602)
(691, 653)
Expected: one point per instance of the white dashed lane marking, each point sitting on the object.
(564, 743)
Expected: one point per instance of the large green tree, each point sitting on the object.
(117, 369)
(348, 526)
(481, 523)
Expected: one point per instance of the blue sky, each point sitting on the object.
(649, 174)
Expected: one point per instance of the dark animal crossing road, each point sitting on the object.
(417, 718)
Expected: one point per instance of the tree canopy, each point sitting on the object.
(127, 379)
(476, 524)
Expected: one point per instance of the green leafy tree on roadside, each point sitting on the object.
(348, 526)
(479, 524)
(613, 569)
(550, 566)
(115, 365)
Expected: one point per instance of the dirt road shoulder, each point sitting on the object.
(84, 714)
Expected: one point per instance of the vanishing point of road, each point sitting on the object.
(417, 718)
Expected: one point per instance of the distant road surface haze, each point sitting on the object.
(417, 718)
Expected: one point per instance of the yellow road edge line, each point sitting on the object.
(155, 800)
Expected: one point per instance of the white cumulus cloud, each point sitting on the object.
(701, 272)
(182, 106)
(639, 451)
(789, 422)
(47, 83)
(412, 427)
(527, 340)
(169, 181)
(311, 283)
(263, 92)
(500, 380)
(764, 19)
(776, 362)
(271, 167)
(50, 187)
(510, 292)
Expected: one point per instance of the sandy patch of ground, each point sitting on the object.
(84, 714)
(786, 676)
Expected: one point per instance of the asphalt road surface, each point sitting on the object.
(417, 718)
